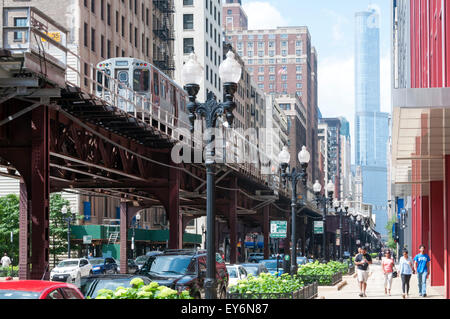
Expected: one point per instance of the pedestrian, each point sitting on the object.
(362, 261)
(388, 265)
(406, 271)
(6, 261)
(380, 255)
(421, 266)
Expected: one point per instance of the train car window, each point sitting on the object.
(155, 83)
(122, 76)
(100, 80)
(141, 80)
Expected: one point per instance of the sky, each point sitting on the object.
(331, 24)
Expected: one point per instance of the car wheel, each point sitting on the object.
(90, 273)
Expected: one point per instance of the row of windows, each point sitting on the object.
(271, 44)
(271, 53)
(268, 61)
(144, 41)
(260, 37)
(145, 12)
(271, 69)
(283, 86)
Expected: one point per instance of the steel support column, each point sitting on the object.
(425, 205)
(24, 269)
(266, 230)
(124, 237)
(436, 220)
(40, 192)
(172, 207)
(233, 221)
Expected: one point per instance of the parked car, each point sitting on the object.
(255, 257)
(255, 269)
(132, 266)
(141, 260)
(183, 269)
(236, 273)
(271, 266)
(71, 270)
(38, 289)
(302, 260)
(91, 285)
(104, 265)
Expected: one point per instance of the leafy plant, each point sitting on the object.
(9, 222)
(323, 273)
(267, 283)
(139, 290)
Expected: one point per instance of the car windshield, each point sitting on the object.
(232, 272)
(270, 264)
(167, 265)
(18, 294)
(110, 284)
(68, 263)
(97, 261)
(141, 260)
(252, 270)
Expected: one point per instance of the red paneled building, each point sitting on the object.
(421, 128)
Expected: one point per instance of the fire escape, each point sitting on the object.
(163, 31)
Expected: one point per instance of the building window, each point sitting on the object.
(188, 21)
(299, 77)
(299, 85)
(261, 78)
(250, 45)
(229, 11)
(260, 54)
(271, 77)
(18, 35)
(250, 69)
(271, 69)
(188, 45)
(261, 69)
(250, 54)
(229, 20)
(299, 68)
(298, 43)
(283, 43)
(85, 35)
(93, 40)
(298, 52)
(284, 78)
(261, 86)
(299, 93)
(188, 2)
(284, 52)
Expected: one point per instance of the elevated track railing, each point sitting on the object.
(27, 30)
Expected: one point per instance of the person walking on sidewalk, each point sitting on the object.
(388, 265)
(406, 271)
(6, 261)
(421, 266)
(362, 262)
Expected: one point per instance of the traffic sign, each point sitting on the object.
(278, 229)
(318, 227)
(87, 239)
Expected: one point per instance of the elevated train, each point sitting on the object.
(160, 92)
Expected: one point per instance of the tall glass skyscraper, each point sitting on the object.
(371, 126)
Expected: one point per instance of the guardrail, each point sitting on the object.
(39, 34)
(322, 280)
(308, 292)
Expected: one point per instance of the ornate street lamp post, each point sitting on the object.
(322, 199)
(304, 157)
(192, 74)
(338, 210)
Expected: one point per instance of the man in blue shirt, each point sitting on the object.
(421, 266)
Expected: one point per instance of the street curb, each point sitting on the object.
(333, 288)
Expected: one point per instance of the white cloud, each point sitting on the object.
(262, 15)
(337, 31)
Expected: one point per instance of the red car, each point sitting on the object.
(38, 289)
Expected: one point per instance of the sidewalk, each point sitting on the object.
(375, 288)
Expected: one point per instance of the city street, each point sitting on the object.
(375, 288)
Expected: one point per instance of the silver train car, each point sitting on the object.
(134, 75)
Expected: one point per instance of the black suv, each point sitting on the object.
(185, 270)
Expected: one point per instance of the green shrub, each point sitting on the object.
(139, 290)
(267, 284)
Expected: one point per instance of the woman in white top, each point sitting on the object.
(406, 270)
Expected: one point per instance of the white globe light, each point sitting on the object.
(230, 70)
(346, 203)
(304, 156)
(336, 203)
(284, 157)
(138, 217)
(330, 187)
(192, 71)
(64, 210)
(317, 187)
